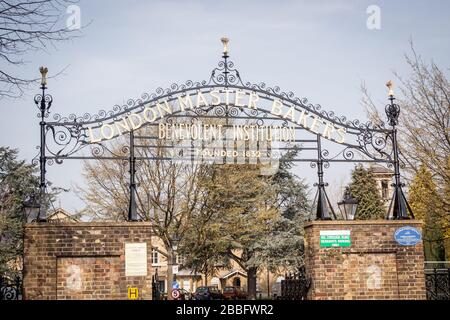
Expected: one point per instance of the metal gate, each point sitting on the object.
(10, 289)
(334, 139)
(437, 282)
(295, 286)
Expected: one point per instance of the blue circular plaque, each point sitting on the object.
(407, 236)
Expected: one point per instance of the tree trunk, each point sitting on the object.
(205, 282)
(251, 283)
(169, 274)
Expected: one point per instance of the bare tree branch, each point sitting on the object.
(27, 26)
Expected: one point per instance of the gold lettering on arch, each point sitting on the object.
(214, 97)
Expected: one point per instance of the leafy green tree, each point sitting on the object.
(291, 191)
(17, 183)
(168, 193)
(424, 201)
(363, 187)
(251, 218)
(241, 198)
(283, 247)
(200, 245)
(446, 211)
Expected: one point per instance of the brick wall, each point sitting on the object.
(375, 266)
(83, 260)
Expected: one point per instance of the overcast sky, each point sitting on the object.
(321, 50)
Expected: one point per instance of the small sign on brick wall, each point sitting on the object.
(133, 293)
(407, 236)
(135, 259)
(174, 269)
(335, 238)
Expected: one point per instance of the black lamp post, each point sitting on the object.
(175, 242)
(31, 209)
(348, 205)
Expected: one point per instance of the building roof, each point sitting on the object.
(378, 169)
(56, 215)
(61, 214)
(233, 272)
(187, 272)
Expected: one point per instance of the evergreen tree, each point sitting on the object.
(363, 187)
(291, 191)
(425, 204)
(251, 218)
(241, 199)
(283, 246)
(17, 183)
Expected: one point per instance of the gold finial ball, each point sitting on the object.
(225, 41)
(44, 72)
(390, 85)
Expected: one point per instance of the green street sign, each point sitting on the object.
(335, 238)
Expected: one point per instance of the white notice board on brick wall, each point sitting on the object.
(135, 259)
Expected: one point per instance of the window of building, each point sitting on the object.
(162, 285)
(384, 189)
(180, 259)
(187, 285)
(155, 256)
(237, 282)
(215, 282)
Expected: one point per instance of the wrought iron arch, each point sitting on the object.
(66, 136)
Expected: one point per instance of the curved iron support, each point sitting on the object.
(399, 208)
(70, 134)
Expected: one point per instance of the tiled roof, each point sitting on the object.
(380, 169)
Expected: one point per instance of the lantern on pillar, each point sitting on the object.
(348, 205)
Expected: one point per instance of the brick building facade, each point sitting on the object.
(374, 266)
(83, 260)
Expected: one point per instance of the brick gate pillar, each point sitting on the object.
(95, 260)
(368, 264)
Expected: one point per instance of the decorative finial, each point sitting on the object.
(225, 41)
(390, 85)
(43, 75)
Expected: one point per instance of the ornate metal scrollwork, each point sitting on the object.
(392, 112)
(69, 139)
(9, 293)
(316, 108)
(43, 103)
(225, 74)
(66, 139)
(10, 289)
(370, 145)
(69, 134)
(437, 283)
